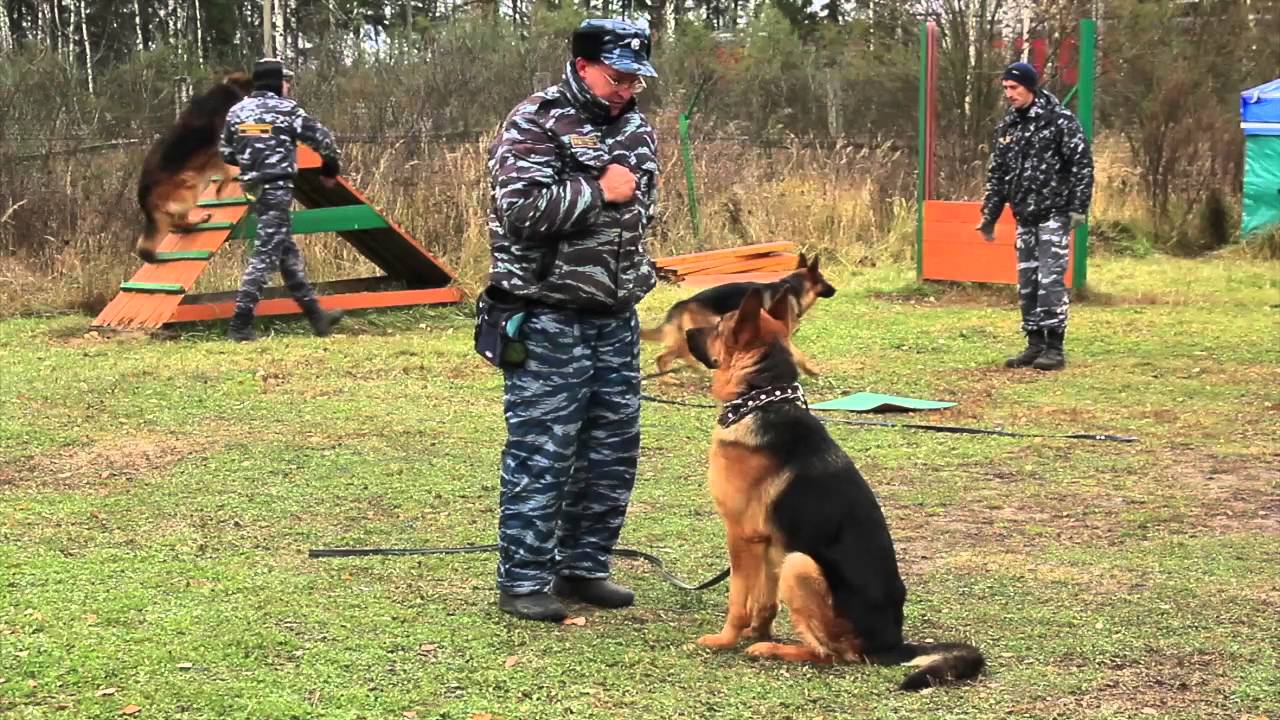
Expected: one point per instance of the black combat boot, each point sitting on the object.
(534, 606)
(1035, 346)
(322, 322)
(598, 592)
(1053, 357)
(241, 328)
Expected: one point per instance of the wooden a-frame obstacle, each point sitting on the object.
(157, 294)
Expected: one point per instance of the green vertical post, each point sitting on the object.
(922, 143)
(1084, 83)
(686, 154)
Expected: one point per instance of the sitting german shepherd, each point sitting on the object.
(806, 285)
(803, 526)
(182, 162)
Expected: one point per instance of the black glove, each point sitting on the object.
(329, 168)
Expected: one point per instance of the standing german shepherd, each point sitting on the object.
(806, 284)
(181, 163)
(803, 526)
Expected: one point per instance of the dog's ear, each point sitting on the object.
(698, 340)
(746, 326)
(801, 263)
(783, 309)
(813, 265)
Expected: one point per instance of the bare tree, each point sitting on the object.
(6, 36)
(88, 53)
(195, 9)
(137, 19)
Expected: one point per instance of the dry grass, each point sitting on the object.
(852, 203)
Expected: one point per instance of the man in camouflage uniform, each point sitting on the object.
(261, 137)
(1041, 165)
(573, 175)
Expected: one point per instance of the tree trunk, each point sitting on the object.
(6, 38)
(277, 26)
(195, 9)
(137, 19)
(657, 19)
(88, 53)
(268, 35)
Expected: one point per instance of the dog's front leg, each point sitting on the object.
(764, 601)
(746, 573)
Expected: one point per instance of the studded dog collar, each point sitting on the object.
(736, 410)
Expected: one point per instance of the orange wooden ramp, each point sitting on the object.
(158, 293)
(762, 262)
(953, 250)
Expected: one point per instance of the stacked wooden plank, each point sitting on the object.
(763, 262)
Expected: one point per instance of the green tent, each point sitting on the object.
(1260, 120)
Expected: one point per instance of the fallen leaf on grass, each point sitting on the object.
(427, 649)
(130, 710)
(411, 714)
(576, 621)
(482, 716)
(106, 691)
(511, 662)
(185, 666)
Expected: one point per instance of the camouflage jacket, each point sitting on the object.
(1040, 164)
(553, 238)
(262, 133)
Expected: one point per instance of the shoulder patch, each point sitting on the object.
(254, 129)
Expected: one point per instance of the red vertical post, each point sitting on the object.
(931, 112)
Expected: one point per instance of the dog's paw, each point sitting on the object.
(718, 641)
(762, 649)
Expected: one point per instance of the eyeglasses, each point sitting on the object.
(636, 86)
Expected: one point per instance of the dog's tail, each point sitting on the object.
(938, 663)
(658, 333)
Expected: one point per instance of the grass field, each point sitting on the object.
(158, 496)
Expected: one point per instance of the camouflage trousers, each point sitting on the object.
(573, 438)
(274, 249)
(1042, 273)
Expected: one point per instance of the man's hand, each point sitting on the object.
(1077, 219)
(618, 184)
(988, 231)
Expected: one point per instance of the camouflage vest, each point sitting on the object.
(554, 240)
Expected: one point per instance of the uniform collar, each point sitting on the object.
(586, 102)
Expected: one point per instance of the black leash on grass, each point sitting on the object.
(620, 552)
(933, 428)
(723, 574)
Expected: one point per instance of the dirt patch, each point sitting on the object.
(104, 467)
(952, 295)
(1237, 494)
(1161, 684)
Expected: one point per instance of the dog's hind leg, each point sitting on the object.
(824, 637)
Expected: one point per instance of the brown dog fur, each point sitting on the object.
(804, 528)
(182, 163)
(806, 283)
